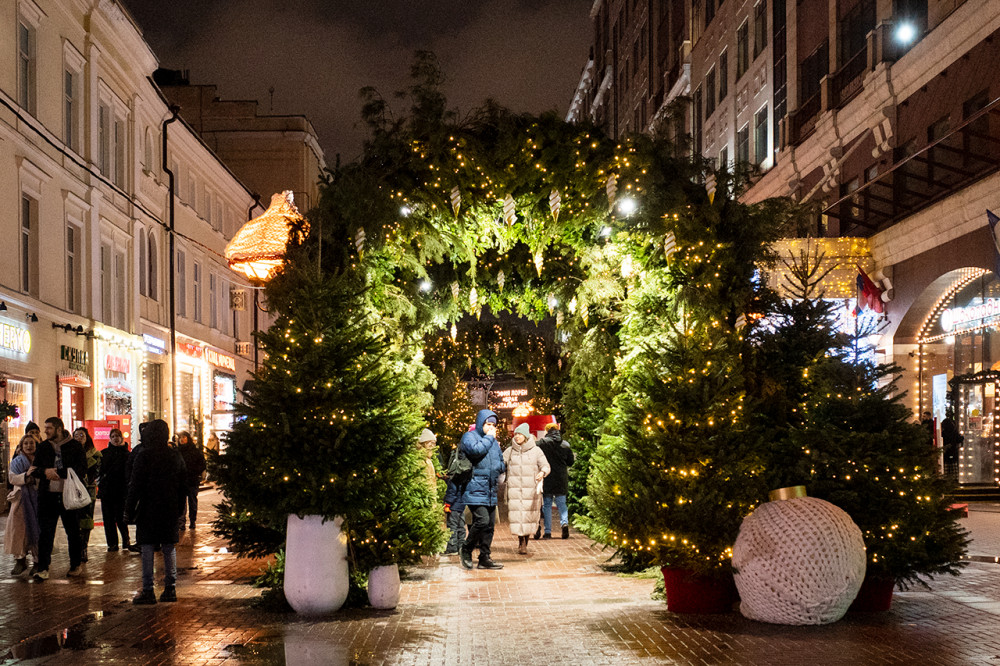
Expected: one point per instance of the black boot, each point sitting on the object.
(84, 542)
(169, 593)
(144, 598)
(466, 557)
(487, 563)
(565, 534)
(19, 567)
(538, 533)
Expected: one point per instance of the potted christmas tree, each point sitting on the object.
(328, 421)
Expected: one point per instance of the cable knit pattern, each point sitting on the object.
(798, 561)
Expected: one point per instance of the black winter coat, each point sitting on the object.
(156, 489)
(113, 484)
(560, 457)
(194, 462)
(72, 456)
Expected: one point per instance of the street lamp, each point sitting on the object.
(258, 248)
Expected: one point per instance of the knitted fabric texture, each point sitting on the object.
(798, 561)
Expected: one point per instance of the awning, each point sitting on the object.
(77, 379)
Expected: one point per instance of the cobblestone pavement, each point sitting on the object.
(555, 606)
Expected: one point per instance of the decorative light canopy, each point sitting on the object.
(258, 248)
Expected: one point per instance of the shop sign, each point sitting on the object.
(220, 360)
(955, 317)
(77, 358)
(15, 338)
(154, 345)
(116, 364)
(188, 349)
(509, 398)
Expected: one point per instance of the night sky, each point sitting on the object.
(317, 54)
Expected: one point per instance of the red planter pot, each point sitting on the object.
(689, 592)
(875, 595)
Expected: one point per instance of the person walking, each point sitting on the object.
(556, 484)
(427, 444)
(951, 443)
(21, 531)
(526, 467)
(194, 463)
(93, 457)
(54, 457)
(112, 487)
(480, 493)
(156, 492)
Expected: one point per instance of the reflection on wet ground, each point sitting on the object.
(74, 637)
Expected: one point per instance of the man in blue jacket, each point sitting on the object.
(480, 493)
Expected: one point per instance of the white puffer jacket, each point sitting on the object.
(524, 501)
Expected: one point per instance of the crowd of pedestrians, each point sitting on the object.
(154, 487)
(529, 476)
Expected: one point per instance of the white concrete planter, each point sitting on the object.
(316, 578)
(383, 587)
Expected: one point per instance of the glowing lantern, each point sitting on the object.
(258, 248)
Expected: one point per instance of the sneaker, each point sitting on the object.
(565, 531)
(41, 576)
(546, 536)
(466, 557)
(19, 567)
(169, 593)
(450, 551)
(113, 549)
(75, 572)
(489, 564)
(144, 598)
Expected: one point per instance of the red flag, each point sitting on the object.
(868, 292)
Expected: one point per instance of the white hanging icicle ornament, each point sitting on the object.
(509, 214)
(555, 203)
(454, 290)
(501, 278)
(456, 199)
(473, 297)
(454, 333)
(669, 244)
(612, 189)
(359, 239)
(539, 262)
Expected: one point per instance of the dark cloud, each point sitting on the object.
(317, 54)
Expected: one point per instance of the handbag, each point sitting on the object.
(75, 493)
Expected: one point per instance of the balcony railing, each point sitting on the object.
(803, 120)
(968, 153)
(848, 80)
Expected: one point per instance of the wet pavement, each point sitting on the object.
(555, 606)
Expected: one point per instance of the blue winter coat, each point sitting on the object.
(487, 464)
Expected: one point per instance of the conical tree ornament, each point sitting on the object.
(454, 332)
(559, 319)
(572, 305)
(612, 189)
(555, 203)
(456, 199)
(359, 239)
(509, 214)
(539, 262)
(669, 244)
(501, 278)
(455, 290)
(473, 297)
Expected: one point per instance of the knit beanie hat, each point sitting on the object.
(31, 426)
(524, 430)
(426, 436)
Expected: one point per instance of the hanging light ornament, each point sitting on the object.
(456, 199)
(454, 333)
(501, 278)
(572, 305)
(509, 214)
(454, 290)
(559, 319)
(258, 248)
(612, 189)
(473, 297)
(555, 203)
(359, 239)
(669, 244)
(539, 262)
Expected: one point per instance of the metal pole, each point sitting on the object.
(256, 289)
(174, 110)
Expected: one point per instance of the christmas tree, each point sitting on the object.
(329, 420)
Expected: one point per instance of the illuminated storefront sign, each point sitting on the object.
(77, 358)
(116, 364)
(220, 360)
(15, 338)
(978, 314)
(153, 344)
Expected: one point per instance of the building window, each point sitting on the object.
(742, 50)
(29, 245)
(107, 282)
(181, 285)
(120, 290)
(26, 64)
(723, 75)
(104, 138)
(147, 152)
(696, 139)
(143, 265)
(119, 154)
(635, 57)
(760, 143)
(759, 28)
(73, 268)
(811, 72)
(743, 145)
(724, 158)
(709, 11)
(151, 280)
(854, 29)
(709, 93)
(71, 136)
(196, 290)
(213, 302)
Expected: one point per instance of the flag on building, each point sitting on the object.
(869, 294)
(994, 230)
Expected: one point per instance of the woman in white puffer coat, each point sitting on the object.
(526, 467)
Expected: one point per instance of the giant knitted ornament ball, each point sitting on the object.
(798, 561)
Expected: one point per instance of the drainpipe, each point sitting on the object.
(171, 188)
(256, 290)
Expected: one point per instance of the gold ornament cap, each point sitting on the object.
(791, 492)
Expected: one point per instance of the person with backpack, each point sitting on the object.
(481, 449)
(458, 471)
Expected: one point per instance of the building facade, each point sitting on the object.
(880, 116)
(115, 307)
